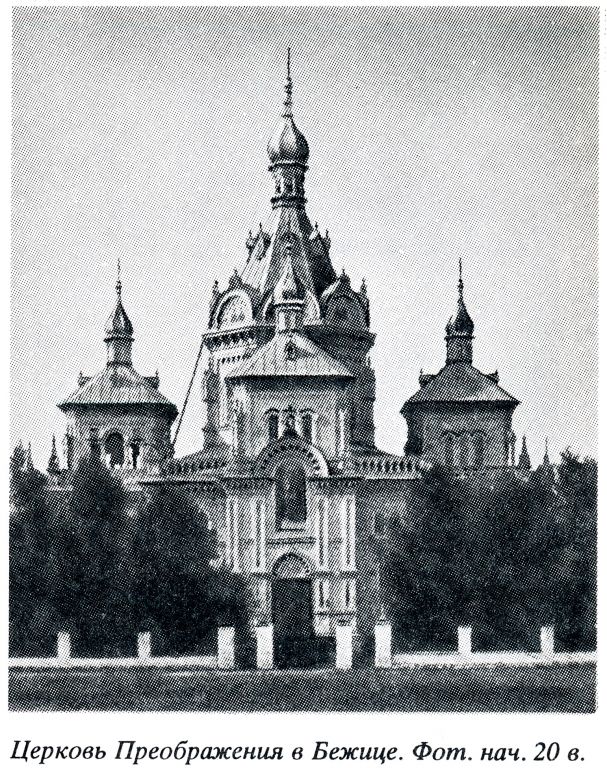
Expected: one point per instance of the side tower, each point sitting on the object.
(461, 417)
(118, 414)
(333, 315)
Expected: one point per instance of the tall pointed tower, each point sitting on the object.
(461, 417)
(118, 414)
(333, 316)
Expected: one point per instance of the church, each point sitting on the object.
(289, 474)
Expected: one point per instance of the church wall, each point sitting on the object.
(251, 543)
(321, 398)
(150, 428)
(431, 422)
(227, 352)
(352, 350)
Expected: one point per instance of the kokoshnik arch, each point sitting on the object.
(289, 474)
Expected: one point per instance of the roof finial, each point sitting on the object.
(460, 284)
(118, 282)
(288, 111)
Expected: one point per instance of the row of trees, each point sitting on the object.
(504, 553)
(104, 564)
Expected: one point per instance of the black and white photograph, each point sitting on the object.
(304, 360)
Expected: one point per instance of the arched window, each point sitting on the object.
(449, 458)
(464, 450)
(478, 449)
(290, 494)
(273, 426)
(114, 450)
(307, 422)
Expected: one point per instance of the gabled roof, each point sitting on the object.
(117, 385)
(291, 355)
(461, 382)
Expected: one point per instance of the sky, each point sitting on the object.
(435, 134)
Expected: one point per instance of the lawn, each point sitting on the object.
(504, 689)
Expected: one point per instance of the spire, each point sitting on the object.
(288, 102)
(460, 329)
(119, 330)
(524, 462)
(53, 467)
(546, 459)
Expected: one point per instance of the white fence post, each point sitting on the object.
(383, 644)
(225, 647)
(64, 646)
(464, 641)
(343, 646)
(144, 645)
(547, 640)
(264, 635)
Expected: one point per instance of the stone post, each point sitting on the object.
(343, 642)
(547, 640)
(144, 645)
(383, 644)
(464, 641)
(64, 646)
(225, 647)
(264, 635)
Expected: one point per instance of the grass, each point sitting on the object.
(503, 689)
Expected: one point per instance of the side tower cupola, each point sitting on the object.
(119, 332)
(460, 329)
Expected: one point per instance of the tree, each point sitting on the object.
(32, 561)
(421, 565)
(575, 550)
(95, 585)
(502, 551)
(177, 592)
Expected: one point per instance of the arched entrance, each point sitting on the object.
(292, 613)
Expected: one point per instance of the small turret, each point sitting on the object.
(29, 463)
(288, 298)
(524, 462)
(545, 469)
(53, 467)
(546, 459)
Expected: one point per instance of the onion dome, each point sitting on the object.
(118, 323)
(461, 324)
(288, 144)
